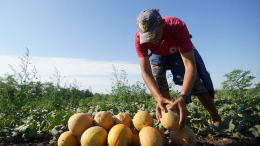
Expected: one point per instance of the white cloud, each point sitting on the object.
(70, 66)
(96, 74)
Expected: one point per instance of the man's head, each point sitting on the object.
(150, 25)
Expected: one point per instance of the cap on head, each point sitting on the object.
(147, 23)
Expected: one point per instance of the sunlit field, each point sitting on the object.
(30, 108)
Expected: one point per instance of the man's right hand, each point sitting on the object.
(160, 106)
(180, 104)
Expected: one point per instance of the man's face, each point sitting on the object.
(159, 37)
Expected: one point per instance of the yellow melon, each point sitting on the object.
(164, 138)
(170, 119)
(123, 118)
(94, 136)
(68, 139)
(120, 135)
(142, 119)
(104, 119)
(149, 136)
(79, 122)
(136, 140)
(183, 136)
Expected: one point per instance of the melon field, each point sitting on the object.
(36, 113)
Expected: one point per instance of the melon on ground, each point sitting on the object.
(183, 136)
(136, 139)
(104, 119)
(123, 118)
(94, 136)
(68, 139)
(164, 138)
(120, 135)
(149, 136)
(142, 119)
(79, 122)
(170, 119)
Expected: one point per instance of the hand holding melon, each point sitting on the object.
(176, 118)
(170, 119)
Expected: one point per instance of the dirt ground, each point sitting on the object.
(216, 141)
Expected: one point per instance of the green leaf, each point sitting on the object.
(226, 122)
(257, 127)
(32, 126)
(43, 124)
(55, 124)
(7, 129)
(2, 124)
(255, 130)
(127, 112)
(9, 138)
(25, 121)
(54, 140)
(216, 128)
(29, 134)
(70, 113)
(7, 122)
(198, 120)
(224, 127)
(241, 109)
(193, 107)
(22, 129)
(11, 117)
(14, 134)
(196, 115)
(231, 126)
(57, 130)
(238, 135)
(240, 124)
(59, 117)
(255, 102)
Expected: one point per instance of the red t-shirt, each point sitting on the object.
(176, 38)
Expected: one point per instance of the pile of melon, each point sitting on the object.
(104, 130)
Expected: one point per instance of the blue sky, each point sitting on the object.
(84, 38)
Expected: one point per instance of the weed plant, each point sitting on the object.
(25, 89)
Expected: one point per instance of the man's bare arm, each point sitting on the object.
(148, 77)
(187, 85)
(190, 72)
(152, 86)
